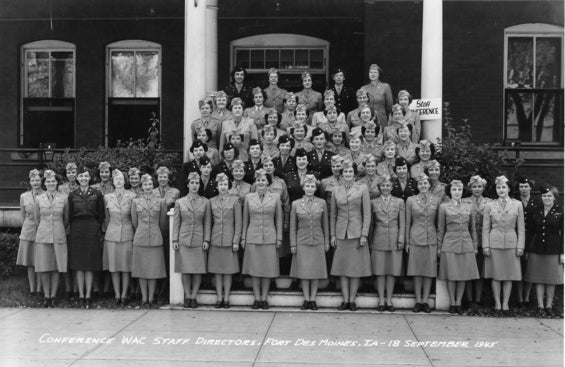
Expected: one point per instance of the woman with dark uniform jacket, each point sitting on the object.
(380, 95)
(197, 151)
(477, 185)
(343, 94)
(118, 241)
(457, 245)
(421, 241)
(530, 204)
(545, 252)
(403, 186)
(284, 163)
(262, 235)
(191, 238)
(229, 155)
(238, 88)
(239, 188)
(275, 94)
(387, 242)
(208, 187)
(51, 213)
(350, 218)
(26, 249)
(503, 243)
(309, 241)
(255, 151)
(223, 260)
(86, 213)
(149, 219)
(309, 97)
(319, 159)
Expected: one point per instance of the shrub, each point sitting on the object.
(9, 243)
(462, 158)
(124, 156)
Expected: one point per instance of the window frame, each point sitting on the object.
(533, 31)
(131, 45)
(44, 46)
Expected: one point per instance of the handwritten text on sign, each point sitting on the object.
(428, 108)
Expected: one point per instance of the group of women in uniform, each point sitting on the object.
(341, 191)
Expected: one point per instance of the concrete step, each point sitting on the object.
(325, 299)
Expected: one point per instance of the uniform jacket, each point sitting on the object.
(309, 223)
(418, 169)
(240, 190)
(27, 204)
(323, 167)
(222, 167)
(192, 221)
(275, 97)
(170, 194)
(380, 100)
(104, 187)
(245, 126)
(327, 186)
(503, 228)
(221, 116)
(250, 169)
(374, 147)
(226, 221)
(257, 114)
(421, 221)
(350, 212)
(187, 167)
(208, 189)
(271, 150)
(546, 231)
(244, 93)
(456, 230)
(52, 217)
(410, 189)
(149, 218)
(86, 205)
(287, 119)
(344, 100)
(438, 190)
(118, 224)
(306, 145)
(294, 185)
(312, 100)
(385, 168)
(531, 207)
(478, 208)
(408, 152)
(388, 224)
(282, 168)
(262, 220)
(212, 124)
(319, 119)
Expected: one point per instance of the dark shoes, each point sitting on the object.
(390, 308)
(381, 308)
(344, 306)
(264, 305)
(352, 306)
(256, 305)
(190, 303)
(452, 309)
(313, 305)
(305, 305)
(219, 304)
(226, 304)
(550, 312)
(117, 302)
(426, 307)
(418, 307)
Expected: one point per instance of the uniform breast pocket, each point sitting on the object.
(91, 202)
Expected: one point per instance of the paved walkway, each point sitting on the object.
(205, 337)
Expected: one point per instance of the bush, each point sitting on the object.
(461, 158)
(134, 154)
(9, 243)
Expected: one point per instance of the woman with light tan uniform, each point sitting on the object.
(192, 222)
(26, 249)
(226, 233)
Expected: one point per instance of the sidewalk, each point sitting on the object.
(206, 337)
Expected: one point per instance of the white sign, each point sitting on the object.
(428, 108)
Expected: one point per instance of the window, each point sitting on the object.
(290, 54)
(533, 89)
(134, 90)
(48, 98)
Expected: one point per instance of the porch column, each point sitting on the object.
(211, 45)
(432, 61)
(194, 89)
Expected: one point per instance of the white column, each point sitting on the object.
(211, 45)
(432, 61)
(194, 90)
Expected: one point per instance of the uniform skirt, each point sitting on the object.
(309, 262)
(85, 250)
(222, 260)
(386, 262)
(544, 269)
(480, 259)
(50, 257)
(148, 262)
(117, 256)
(503, 264)
(190, 260)
(261, 261)
(351, 260)
(458, 267)
(26, 253)
(422, 261)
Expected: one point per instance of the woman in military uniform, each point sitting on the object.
(309, 241)
(309, 97)
(403, 186)
(319, 159)
(380, 95)
(191, 238)
(274, 94)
